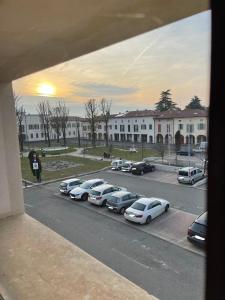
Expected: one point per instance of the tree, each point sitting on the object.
(195, 103)
(91, 108)
(55, 121)
(78, 131)
(105, 107)
(44, 111)
(165, 103)
(64, 117)
(20, 115)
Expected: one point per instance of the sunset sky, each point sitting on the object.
(132, 73)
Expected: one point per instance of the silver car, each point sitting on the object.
(82, 192)
(67, 185)
(146, 209)
(119, 201)
(100, 194)
(189, 175)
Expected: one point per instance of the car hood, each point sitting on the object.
(78, 190)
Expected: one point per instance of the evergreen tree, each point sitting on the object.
(165, 103)
(195, 103)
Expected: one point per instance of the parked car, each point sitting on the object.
(189, 175)
(119, 201)
(140, 168)
(118, 164)
(100, 194)
(185, 150)
(197, 230)
(82, 192)
(146, 209)
(67, 185)
(127, 166)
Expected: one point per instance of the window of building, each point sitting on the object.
(201, 126)
(22, 127)
(143, 126)
(159, 127)
(122, 128)
(73, 124)
(69, 133)
(31, 136)
(37, 136)
(42, 134)
(84, 128)
(116, 127)
(180, 126)
(150, 126)
(135, 128)
(190, 128)
(110, 126)
(74, 133)
(135, 121)
(168, 127)
(128, 128)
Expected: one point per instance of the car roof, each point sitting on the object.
(147, 201)
(102, 187)
(70, 180)
(121, 193)
(187, 169)
(94, 180)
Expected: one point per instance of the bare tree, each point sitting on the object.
(20, 115)
(105, 107)
(64, 117)
(44, 111)
(78, 131)
(92, 114)
(55, 120)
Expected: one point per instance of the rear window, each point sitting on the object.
(199, 228)
(63, 184)
(114, 199)
(86, 185)
(95, 193)
(183, 173)
(202, 219)
(138, 206)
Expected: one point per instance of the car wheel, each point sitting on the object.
(122, 210)
(104, 203)
(142, 173)
(192, 182)
(167, 207)
(148, 220)
(84, 197)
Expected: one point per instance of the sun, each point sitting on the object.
(45, 89)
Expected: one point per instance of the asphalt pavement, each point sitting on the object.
(143, 254)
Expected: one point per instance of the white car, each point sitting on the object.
(67, 185)
(100, 194)
(117, 164)
(127, 166)
(146, 209)
(82, 192)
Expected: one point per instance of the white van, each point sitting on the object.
(118, 164)
(189, 175)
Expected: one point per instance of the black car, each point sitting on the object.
(197, 230)
(141, 168)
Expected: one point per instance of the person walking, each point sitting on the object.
(36, 167)
(30, 157)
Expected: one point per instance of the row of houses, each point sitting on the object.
(140, 126)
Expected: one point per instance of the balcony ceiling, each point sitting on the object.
(38, 34)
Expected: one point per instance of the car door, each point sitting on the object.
(155, 209)
(199, 174)
(107, 192)
(126, 201)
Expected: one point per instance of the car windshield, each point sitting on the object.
(138, 206)
(95, 193)
(183, 173)
(114, 199)
(63, 184)
(202, 219)
(126, 165)
(86, 185)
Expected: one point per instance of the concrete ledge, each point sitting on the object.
(37, 263)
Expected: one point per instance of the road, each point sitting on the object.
(164, 269)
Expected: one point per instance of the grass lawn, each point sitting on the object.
(58, 152)
(87, 165)
(123, 153)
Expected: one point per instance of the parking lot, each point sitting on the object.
(145, 254)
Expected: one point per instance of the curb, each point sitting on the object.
(64, 178)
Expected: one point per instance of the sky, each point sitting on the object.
(132, 73)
